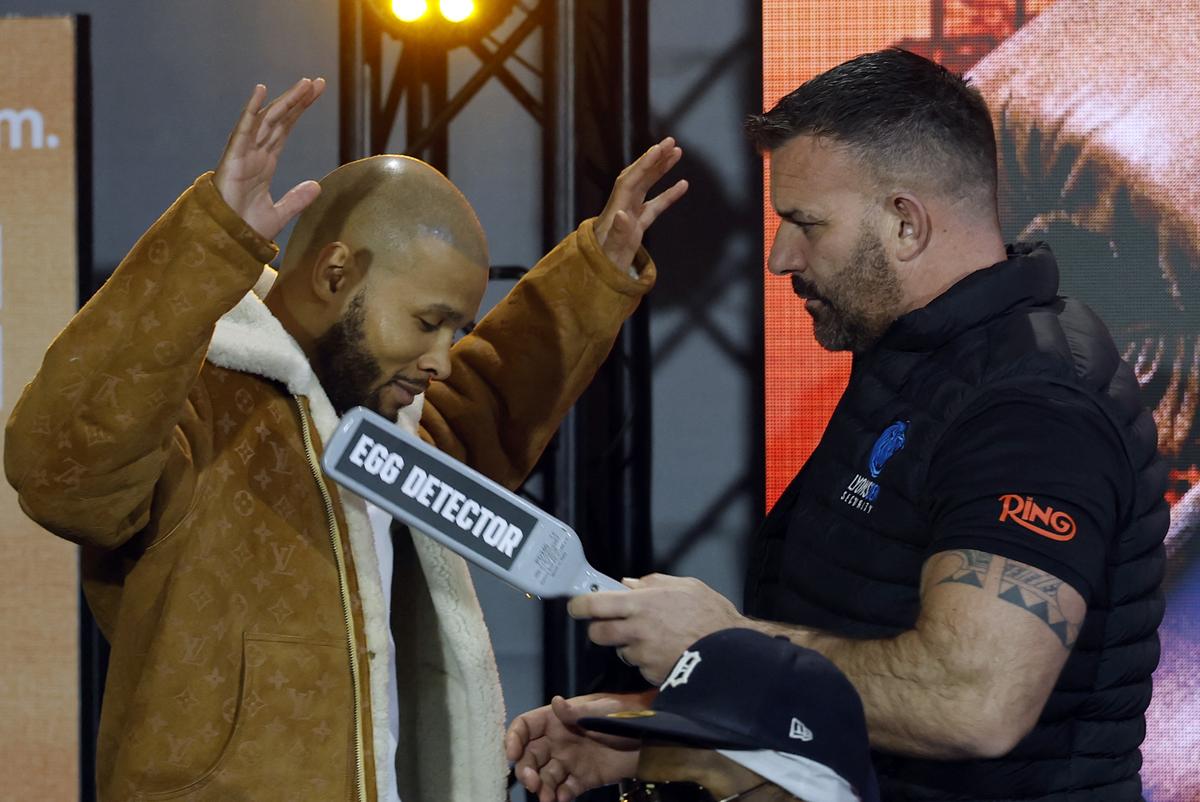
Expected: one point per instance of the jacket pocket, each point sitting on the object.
(290, 722)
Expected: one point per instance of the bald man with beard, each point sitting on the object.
(273, 637)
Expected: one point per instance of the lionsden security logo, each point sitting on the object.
(25, 129)
(862, 493)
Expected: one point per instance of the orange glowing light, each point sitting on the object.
(456, 10)
(409, 10)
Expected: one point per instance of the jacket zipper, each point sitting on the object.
(310, 452)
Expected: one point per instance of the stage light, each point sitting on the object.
(456, 23)
(457, 10)
(409, 10)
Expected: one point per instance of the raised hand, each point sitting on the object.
(628, 214)
(248, 164)
(558, 760)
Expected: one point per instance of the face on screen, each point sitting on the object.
(1099, 158)
(828, 244)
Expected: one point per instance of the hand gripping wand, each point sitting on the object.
(459, 507)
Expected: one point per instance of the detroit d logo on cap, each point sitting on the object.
(682, 671)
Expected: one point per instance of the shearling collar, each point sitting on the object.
(249, 339)
(464, 686)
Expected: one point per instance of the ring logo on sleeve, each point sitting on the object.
(1044, 521)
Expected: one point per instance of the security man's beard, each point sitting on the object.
(344, 366)
(860, 303)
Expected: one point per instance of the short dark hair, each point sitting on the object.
(902, 113)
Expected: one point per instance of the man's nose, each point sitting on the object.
(436, 361)
(785, 257)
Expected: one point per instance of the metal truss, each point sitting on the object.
(370, 106)
(593, 112)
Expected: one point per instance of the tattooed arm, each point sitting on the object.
(968, 680)
(993, 632)
(971, 678)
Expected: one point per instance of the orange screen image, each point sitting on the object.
(1111, 91)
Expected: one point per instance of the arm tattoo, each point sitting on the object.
(1016, 583)
(974, 569)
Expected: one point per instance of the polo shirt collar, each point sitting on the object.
(1028, 277)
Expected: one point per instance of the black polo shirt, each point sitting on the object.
(998, 418)
(1036, 479)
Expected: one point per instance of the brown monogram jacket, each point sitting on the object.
(174, 432)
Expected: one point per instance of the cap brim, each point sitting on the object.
(656, 725)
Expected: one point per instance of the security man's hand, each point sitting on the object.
(656, 620)
(627, 215)
(248, 164)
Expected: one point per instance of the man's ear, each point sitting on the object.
(333, 272)
(910, 227)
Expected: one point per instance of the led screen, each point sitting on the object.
(1096, 103)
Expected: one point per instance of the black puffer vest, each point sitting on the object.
(819, 561)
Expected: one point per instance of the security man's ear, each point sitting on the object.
(911, 226)
(333, 271)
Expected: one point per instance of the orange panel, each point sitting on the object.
(39, 596)
(803, 381)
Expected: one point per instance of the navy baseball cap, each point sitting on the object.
(783, 711)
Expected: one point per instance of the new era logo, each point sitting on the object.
(799, 731)
(683, 669)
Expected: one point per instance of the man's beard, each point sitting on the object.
(862, 300)
(342, 363)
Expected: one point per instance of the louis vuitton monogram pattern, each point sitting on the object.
(207, 557)
(229, 675)
(251, 635)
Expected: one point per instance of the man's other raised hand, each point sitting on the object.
(627, 215)
(248, 164)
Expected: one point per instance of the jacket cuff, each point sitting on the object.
(610, 274)
(206, 194)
